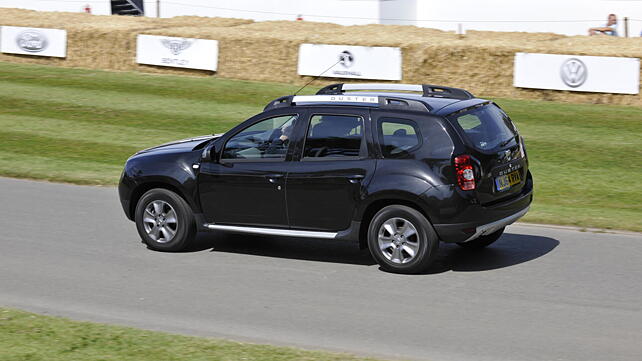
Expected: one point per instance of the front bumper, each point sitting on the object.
(125, 188)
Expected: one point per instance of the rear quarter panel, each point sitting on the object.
(410, 177)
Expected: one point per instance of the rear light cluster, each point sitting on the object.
(465, 172)
(522, 151)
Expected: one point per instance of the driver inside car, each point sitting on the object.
(280, 145)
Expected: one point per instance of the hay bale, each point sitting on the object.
(98, 41)
(482, 61)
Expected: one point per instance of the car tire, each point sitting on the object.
(164, 220)
(395, 233)
(483, 241)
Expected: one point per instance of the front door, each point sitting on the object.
(333, 167)
(245, 185)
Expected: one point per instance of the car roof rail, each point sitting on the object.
(280, 102)
(384, 102)
(427, 90)
(439, 91)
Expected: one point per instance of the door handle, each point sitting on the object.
(274, 178)
(354, 179)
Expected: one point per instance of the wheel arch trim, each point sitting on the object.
(378, 201)
(157, 182)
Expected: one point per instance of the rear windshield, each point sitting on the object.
(486, 127)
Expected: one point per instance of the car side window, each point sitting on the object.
(267, 139)
(398, 137)
(333, 136)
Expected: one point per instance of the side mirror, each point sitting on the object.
(209, 153)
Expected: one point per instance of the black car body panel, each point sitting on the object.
(169, 165)
(295, 191)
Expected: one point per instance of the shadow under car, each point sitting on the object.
(511, 249)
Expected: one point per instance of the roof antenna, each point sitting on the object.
(318, 76)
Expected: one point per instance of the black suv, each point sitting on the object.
(395, 167)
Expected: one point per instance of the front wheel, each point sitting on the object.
(402, 240)
(483, 241)
(164, 221)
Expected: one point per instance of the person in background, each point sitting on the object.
(608, 29)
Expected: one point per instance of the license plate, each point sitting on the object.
(506, 181)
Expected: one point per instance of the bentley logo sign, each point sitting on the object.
(32, 41)
(573, 72)
(188, 53)
(176, 46)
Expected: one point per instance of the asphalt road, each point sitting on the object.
(537, 294)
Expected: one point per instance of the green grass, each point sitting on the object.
(80, 126)
(26, 337)
(585, 159)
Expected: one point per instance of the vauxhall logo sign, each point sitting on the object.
(346, 59)
(349, 61)
(573, 72)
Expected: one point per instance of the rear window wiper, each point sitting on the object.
(504, 143)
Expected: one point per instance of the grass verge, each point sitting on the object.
(26, 336)
(80, 126)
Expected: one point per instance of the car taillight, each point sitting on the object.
(522, 150)
(465, 172)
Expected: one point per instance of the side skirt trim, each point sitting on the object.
(272, 231)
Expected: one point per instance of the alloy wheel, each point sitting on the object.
(160, 221)
(398, 240)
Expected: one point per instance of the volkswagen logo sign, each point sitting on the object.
(346, 59)
(573, 72)
(32, 41)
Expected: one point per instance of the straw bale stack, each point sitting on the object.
(481, 61)
(98, 42)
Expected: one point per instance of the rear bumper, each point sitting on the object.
(489, 228)
(485, 220)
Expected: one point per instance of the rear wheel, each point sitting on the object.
(164, 221)
(483, 241)
(402, 240)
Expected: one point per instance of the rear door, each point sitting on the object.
(333, 167)
(494, 141)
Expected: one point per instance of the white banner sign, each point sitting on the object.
(599, 74)
(33, 41)
(360, 62)
(177, 52)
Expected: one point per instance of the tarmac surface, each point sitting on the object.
(537, 294)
